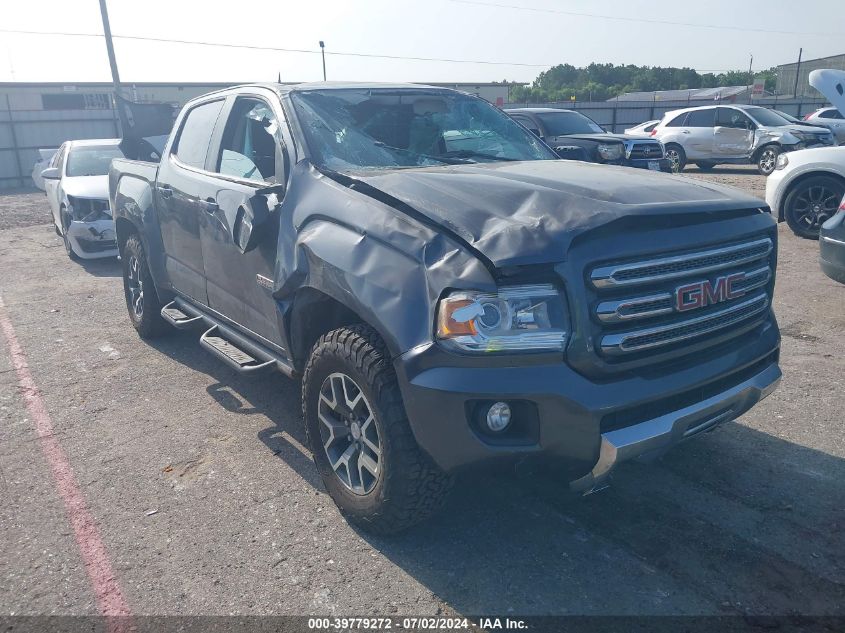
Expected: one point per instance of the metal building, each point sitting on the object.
(787, 73)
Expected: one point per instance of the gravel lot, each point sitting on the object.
(208, 502)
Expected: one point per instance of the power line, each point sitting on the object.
(303, 50)
(646, 20)
(277, 48)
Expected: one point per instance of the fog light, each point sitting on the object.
(498, 417)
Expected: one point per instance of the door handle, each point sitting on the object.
(684, 131)
(210, 206)
(165, 191)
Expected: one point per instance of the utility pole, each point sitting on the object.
(322, 52)
(751, 79)
(797, 73)
(115, 77)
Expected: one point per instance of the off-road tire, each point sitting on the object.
(409, 487)
(149, 323)
(677, 164)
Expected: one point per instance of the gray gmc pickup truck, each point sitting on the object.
(448, 291)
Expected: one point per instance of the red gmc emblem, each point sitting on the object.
(704, 293)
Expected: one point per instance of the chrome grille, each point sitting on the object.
(639, 150)
(686, 265)
(644, 305)
(676, 332)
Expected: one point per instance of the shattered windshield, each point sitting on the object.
(365, 129)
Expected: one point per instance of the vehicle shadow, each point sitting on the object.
(105, 267)
(726, 170)
(271, 395)
(736, 522)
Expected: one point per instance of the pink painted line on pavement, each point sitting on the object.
(110, 599)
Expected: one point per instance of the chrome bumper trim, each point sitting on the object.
(653, 437)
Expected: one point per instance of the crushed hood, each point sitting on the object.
(87, 186)
(523, 213)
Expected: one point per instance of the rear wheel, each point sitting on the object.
(138, 287)
(811, 202)
(677, 157)
(359, 434)
(768, 159)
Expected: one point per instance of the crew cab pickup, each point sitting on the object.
(448, 291)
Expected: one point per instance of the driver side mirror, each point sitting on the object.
(51, 173)
(247, 228)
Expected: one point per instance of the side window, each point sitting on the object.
(728, 117)
(833, 113)
(249, 146)
(534, 128)
(702, 118)
(192, 144)
(678, 121)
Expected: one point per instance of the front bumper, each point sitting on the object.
(774, 192)
(662, 164)
(832, 248)
(652, 438)
(576, 420)
(91, 240)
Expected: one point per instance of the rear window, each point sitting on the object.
(677, 121)
(702, 118)
(563, 123)
(195, 137)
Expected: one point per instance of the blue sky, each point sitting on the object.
(531, 38)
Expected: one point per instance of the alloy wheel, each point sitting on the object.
(349, 433)
(815, 205)
(135, 286)
(768, 160)
(674, 159)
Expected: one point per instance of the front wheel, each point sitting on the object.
(66, 220)
(811, 202)
(359, 434)
(768, 159)
(138, 287)
(677, 157)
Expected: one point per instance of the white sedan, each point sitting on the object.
(806, 188)
(77, 187)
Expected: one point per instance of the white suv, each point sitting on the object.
(733, 134)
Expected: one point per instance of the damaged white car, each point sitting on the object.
(733, 135)
(77, 187)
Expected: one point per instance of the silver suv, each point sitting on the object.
(733, 134)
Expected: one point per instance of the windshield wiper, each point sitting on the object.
(441, 159)
(468, 153)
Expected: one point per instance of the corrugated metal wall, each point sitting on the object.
(23, 132)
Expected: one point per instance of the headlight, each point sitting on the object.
(515, 319)
(611, 152)
(783, 161)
